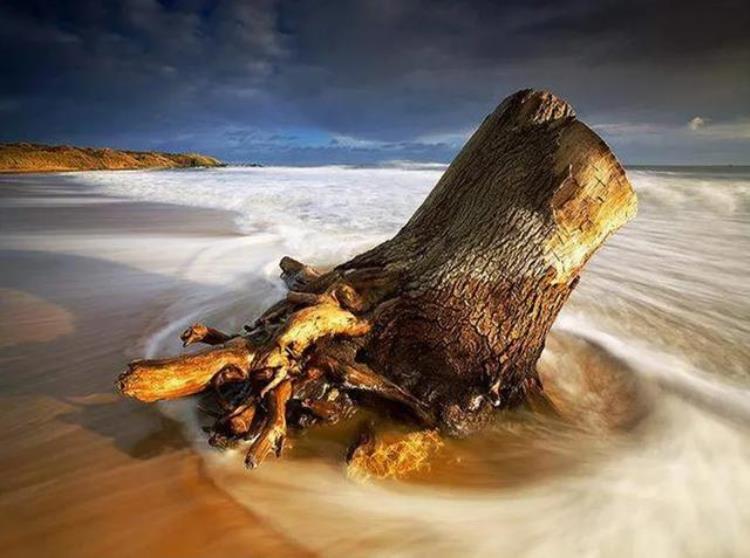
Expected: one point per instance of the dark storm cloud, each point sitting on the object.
(416, 58)
(332, 81)
(113, 69)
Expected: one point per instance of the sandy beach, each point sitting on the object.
(449, 279)
(96, 269)
(86, 473)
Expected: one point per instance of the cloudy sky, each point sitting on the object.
(318, 81)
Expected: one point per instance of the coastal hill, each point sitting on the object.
(29, 157)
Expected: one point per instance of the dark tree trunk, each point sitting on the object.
(449, 317)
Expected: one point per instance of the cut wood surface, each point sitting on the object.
(441, 324)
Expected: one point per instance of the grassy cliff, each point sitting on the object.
(28, 157)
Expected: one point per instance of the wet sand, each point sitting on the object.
(644, 451)
(85, 473)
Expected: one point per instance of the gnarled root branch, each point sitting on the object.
(170, 378)
(287, 368)
(296, 274)
(272, 435)
(198, 333)
(360, 377)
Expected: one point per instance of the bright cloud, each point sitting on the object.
(697, 123)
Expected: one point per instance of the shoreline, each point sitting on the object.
(729, 168)
(90, 281)
(11, 172)
(78, 300)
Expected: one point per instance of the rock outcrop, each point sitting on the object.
(29, 157)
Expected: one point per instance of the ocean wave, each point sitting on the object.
(663, 306)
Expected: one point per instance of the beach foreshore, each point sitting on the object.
(86, 473)
(97, 269)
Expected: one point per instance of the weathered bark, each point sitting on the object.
(448, 318)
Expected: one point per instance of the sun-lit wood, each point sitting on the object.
(443, 323)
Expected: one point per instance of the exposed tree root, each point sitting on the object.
(170, 378)
(272, 435)
(359, 377)
(299, 371)
(198, 333)
(296, 274)
(392, 456)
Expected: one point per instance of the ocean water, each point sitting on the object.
(650, 357)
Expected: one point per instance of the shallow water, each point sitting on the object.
(649, 363)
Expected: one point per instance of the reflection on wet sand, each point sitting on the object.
(84, 472)
(30, 319)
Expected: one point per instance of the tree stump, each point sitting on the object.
(446, 320)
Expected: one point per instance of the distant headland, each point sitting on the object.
(31, 157)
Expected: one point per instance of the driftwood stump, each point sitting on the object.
(447, 319)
